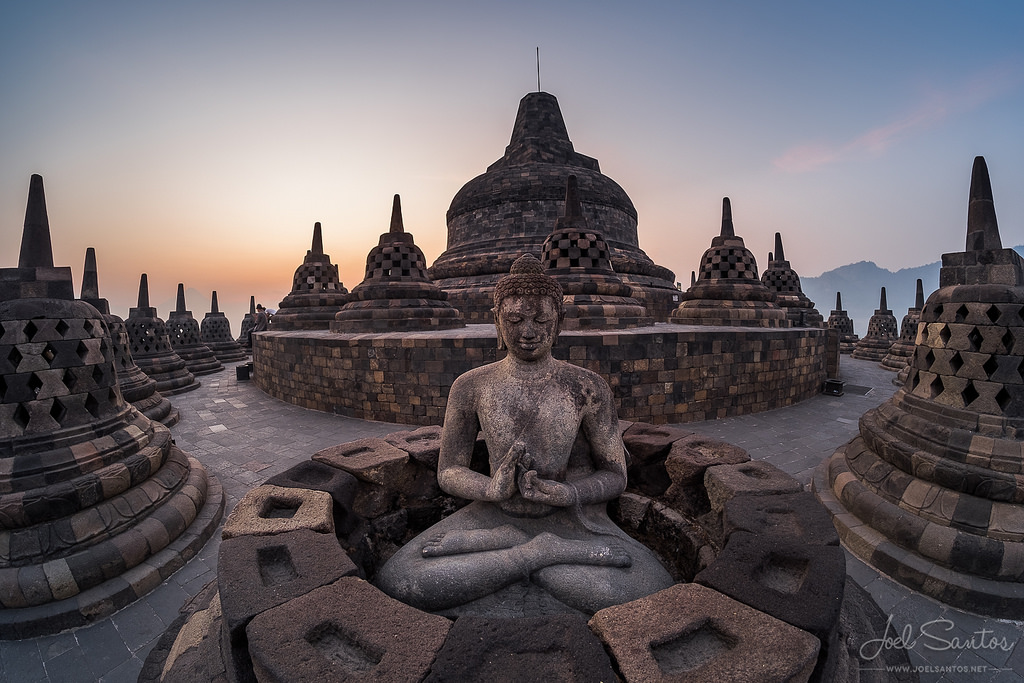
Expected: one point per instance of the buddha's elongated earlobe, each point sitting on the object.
(497, 328)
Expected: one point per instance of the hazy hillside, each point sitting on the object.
(860, 284)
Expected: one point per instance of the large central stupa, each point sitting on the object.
(509, 210)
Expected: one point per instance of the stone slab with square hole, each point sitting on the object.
(267, 510)
(687, 461)
(528, 649)
(423, 444)
(793, 515)
(256, 573)
(347, 630)
(310, 474)
(377, 462)
(648, 445)
(798, 583)
(756, 478)
(693, 633)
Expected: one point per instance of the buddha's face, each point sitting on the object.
(528, 325)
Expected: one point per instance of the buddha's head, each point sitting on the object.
(527, 310)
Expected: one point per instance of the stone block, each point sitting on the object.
(267, 510)
(528, 649)
(755, 478)
(792, 515)
(687, 461)
(256, 573)
(376, 461)
(646, 442)
(347, 630)
(423, 444)
(692, 633)
(798, 583)
(311, 474)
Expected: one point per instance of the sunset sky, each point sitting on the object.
(199, 141)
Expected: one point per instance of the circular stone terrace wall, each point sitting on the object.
(659, 374)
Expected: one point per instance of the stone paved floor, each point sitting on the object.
(244, 437)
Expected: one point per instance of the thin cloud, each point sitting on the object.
(937, 107)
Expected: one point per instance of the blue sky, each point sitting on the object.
(199, 141)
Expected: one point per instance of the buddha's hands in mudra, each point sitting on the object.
(516, 470)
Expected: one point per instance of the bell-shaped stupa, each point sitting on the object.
(728, 291)
(780, 278)
(151, 347)
(183, 331)
(248, 322)
(396, 293)
(841, 321)
(931, 491)
(137, 387)
(317, 293)
(509, 210)
(578, 257)
(215, 332)
(97, 504)
(882, 332)
(902, 350)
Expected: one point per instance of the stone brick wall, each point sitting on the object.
(660, 374)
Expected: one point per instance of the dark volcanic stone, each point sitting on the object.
(554, 648)
(310, 474)
(348, 630)
(794, 515)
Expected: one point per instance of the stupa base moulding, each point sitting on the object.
(659, 374)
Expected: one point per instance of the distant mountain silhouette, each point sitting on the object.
(860, 284)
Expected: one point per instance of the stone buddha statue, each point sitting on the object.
(556, 459)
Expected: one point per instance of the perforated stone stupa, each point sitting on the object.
(97, 504)
(396, 292)
(509, 210)
(248, 322)
(882, 332)
(183, 331)
(137, 387)
(215, 332)
(841, 321)
(151, 347)
(728, 291)
(902, 350)
(577, 256)
(317, 292)
(780, 278)
(931, 491)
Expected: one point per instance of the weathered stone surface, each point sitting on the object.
(796, 516)
(780, 278)
(423, 444)
(151, 347)
(692, 633)
(256, 573)
(311, 474)
(378, 462)
(555, 648)
(687, 461)
(755, 478)
(267, 510)
(317, 292)
(796, 582)
(347, 630)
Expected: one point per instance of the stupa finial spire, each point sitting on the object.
(252, 305)
(397, 226)
(90, 284)
(36, 249)
(882, 305)
(727, 229)
(919, 300)
(180, 304)
(144, 291)
(839, 301)
(982, 228)
(213, 303)
(779, 254)
(318, 240)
